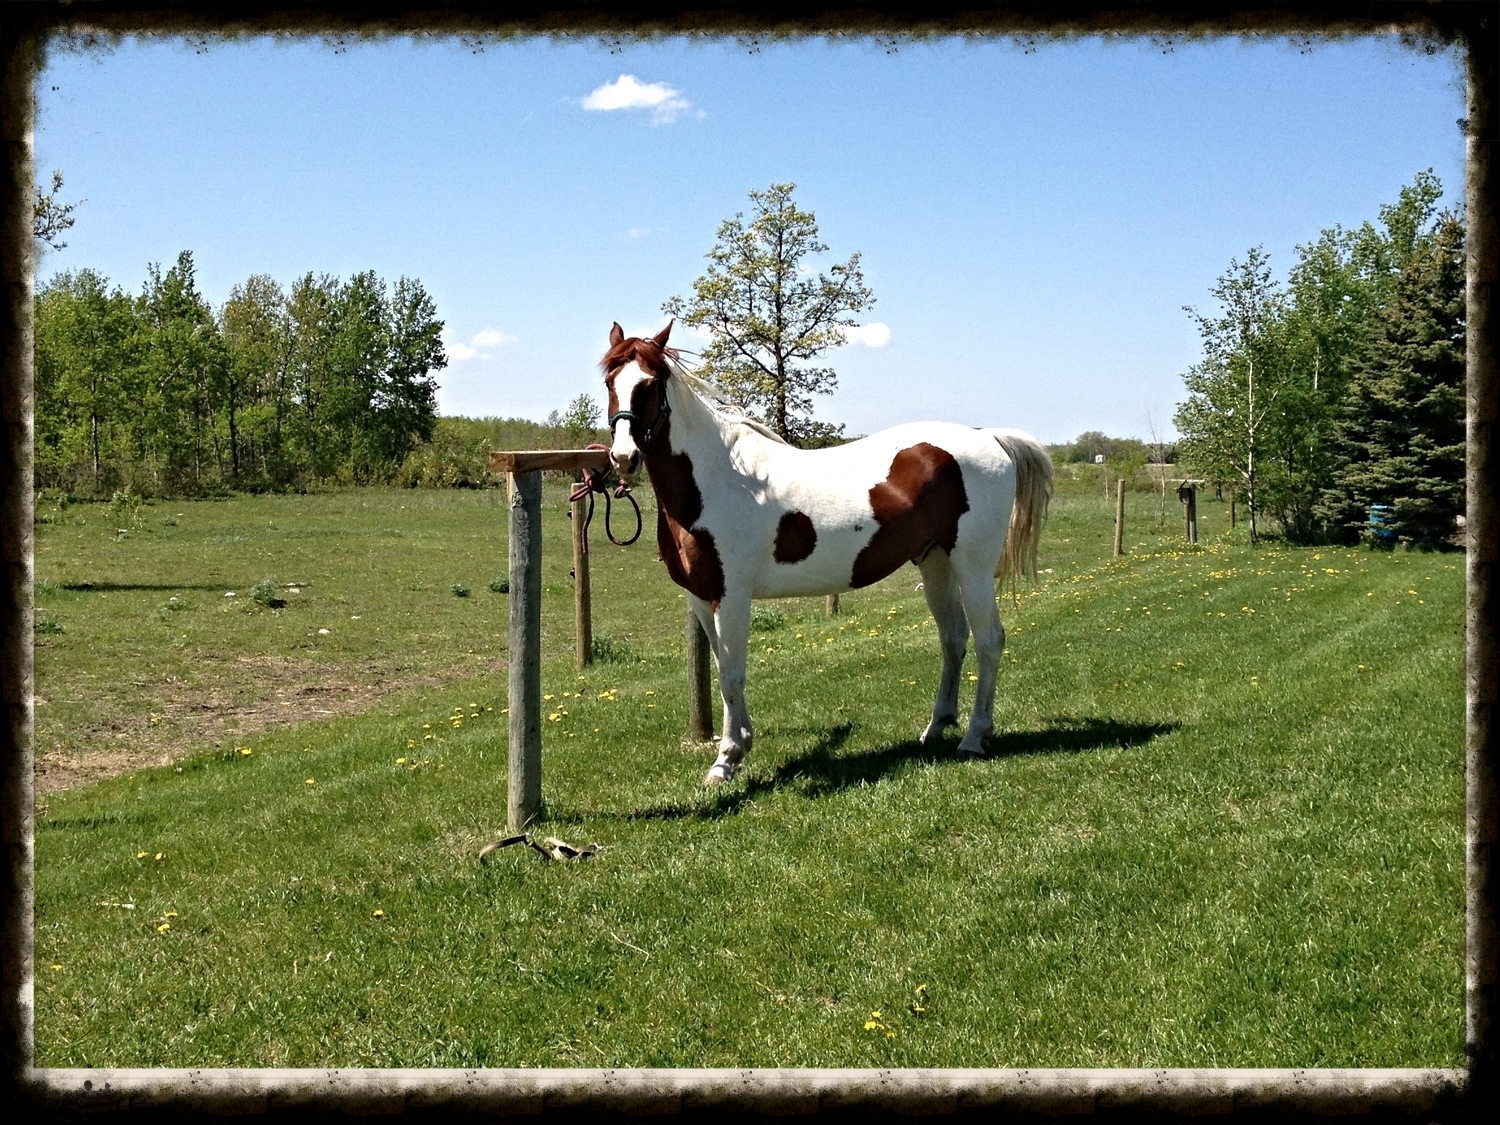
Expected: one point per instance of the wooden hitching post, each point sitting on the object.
(583, 625)
(524, 789)
(1120, 518)
(1192, 513)
(524, 797)
(700, 686)
(831, 606)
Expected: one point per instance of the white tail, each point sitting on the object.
(1029, 515)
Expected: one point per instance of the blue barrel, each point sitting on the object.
(1379, 523)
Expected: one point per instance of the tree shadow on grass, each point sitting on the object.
(821, 771)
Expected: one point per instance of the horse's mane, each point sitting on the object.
(669, 362)
(714, 398)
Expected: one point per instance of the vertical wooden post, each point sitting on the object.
(1192, 513)
(583, 624)
(700, 687)
(831, 606)
(1120, 518)
(524, 797)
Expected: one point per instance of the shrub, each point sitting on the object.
(459, 590)
(500, 585)
(766, 617)
(608, 650)
(267, 594)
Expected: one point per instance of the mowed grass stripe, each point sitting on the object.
(1201, 841)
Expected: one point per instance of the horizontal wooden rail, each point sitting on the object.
(526, 461)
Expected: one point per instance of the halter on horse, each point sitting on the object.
(742, 515)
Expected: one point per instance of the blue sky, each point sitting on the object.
(1031, 224)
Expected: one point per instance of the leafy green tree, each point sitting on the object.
(405, 401)
(50, 216)
(770, 318)
(86, 338)
(1231, 390)
(310, 325)
(255, 391)
(182, 355)
(1400, 433)
(1298, 358)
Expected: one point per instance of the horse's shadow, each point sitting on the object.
(821, 771)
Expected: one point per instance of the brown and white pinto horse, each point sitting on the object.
(742, 515)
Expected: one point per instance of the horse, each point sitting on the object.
(742, 514)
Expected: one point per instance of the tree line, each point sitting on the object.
(1341, 392)
(328, 380)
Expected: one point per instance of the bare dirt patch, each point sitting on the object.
(234, 701)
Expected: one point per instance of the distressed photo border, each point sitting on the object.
(1473, 28)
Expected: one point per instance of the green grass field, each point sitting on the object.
(1221, 823)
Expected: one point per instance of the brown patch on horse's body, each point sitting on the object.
(917, 507)
(691, 556)
(795, 538)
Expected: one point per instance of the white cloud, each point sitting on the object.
(492, 338)
(479, 346)
(629, 92)
(637, 232)
(873, 335)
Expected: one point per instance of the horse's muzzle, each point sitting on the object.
(626, 464)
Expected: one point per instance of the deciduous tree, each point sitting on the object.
(770, 317)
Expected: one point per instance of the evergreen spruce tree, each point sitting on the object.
(1401, 432)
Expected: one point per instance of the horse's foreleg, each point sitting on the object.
(940, 585)
(989, 643)
(733, 624)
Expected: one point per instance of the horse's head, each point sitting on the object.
(636, 373)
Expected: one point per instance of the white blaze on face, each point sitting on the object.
(622, 448)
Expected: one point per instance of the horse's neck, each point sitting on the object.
(703, 436)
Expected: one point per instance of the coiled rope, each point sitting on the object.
(597, 480)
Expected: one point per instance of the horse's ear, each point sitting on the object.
(616, 334)
(660, 339)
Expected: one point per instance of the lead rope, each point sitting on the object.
(595, 480)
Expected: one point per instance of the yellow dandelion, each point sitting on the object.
(401, 761)
(140, 855)
(164, 927)
(159, 856)
(378, 914)
(170, 914)
(56, 968)
(309, 781)
(245, 751)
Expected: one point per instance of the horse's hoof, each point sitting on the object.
(718, 775)
(973, 755)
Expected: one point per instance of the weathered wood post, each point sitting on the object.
(1191, 513)
(700, 686)
(831, 606)
(583, 623)
(1120, 518)
(524, 794)
(524, 789)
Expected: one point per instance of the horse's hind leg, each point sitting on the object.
(978, 588)
(940, 585)
(733, 622)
